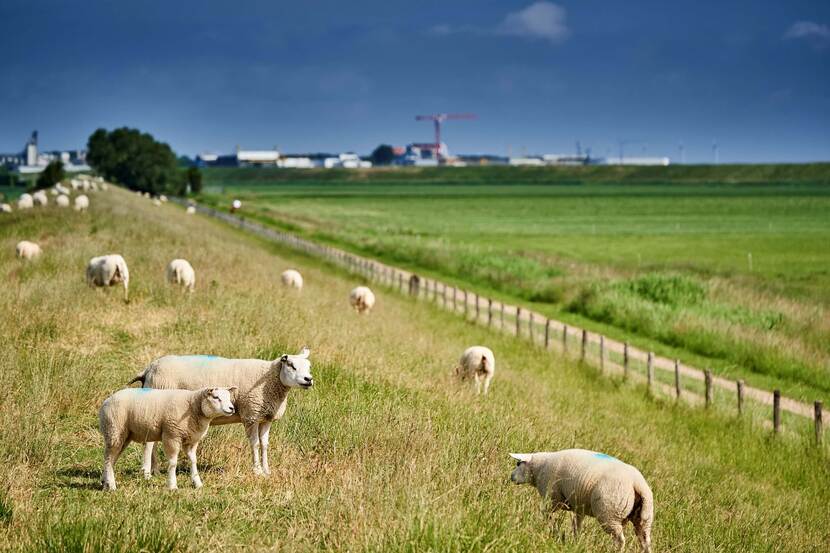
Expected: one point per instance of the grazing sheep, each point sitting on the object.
(191, 210)
(27, 250)
(104, 186)
(262, 397)
(61, 189)
(162, 198)
(40, 198)
(179, 271)
(81, 203)
(156, 202)
(62, 200)
(292, 279)
(25, 201)
(362, 299)
(478, 363)
(53, 192)
(5, 208)
(176, 418)
(592, 484)
(108, 270)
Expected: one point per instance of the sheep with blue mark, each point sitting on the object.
(262, 397)
(177, 418)
(593, 484)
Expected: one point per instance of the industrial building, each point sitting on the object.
(31, 160)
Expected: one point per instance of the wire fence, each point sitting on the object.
(661, 375)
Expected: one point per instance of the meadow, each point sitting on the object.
(731, 276)
(386, 453)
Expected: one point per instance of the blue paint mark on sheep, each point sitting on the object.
(200, 357)
(142, 390)
(605, 456)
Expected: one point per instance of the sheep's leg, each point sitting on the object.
(149, 463)
(264, 430)
(194, 472)
(253, 437)
(487, 383)
(643, 531)
(111, 454)
(478, 384)
(576, 521)
(171, 450)
(616, 531)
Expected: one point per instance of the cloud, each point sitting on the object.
(540, 20)
(817, 33)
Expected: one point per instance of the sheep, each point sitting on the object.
(179, 271)
(53, 192)
(191, 210)
(108, 270)
(262, 397)
(40, 198)
(27, 250)
(156, 202)
(292, 279)
(478, 363)
(175, 417)
(25, 201)
(5, 208)
(62, 200)
(81, 203)
(104, 186)
(362, 299)
(592, 484)
(61, 189)
(162, 198)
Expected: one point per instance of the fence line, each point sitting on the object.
(543, 331)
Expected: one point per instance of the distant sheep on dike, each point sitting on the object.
(108, 270)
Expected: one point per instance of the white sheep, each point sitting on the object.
(53, 192)
(40, 198)
(27, 250)
(292, 279)
(592, 484)
(81, 203)
(262, 397)
(25, 201)
(61, 189)
(104, 186)
(478, 363)
(5, 208)
(62, 200)
(362, 299)
(180, 271)
(236, 205)
(108, 270)
(191, 210)
(162, 198)
(176, 418)
(156, 202)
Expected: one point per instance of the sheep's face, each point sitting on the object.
(295, 370)
(218, 402)
(522, 474)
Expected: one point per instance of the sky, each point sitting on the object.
(658, 77)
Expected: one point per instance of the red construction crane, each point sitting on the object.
(439, 118)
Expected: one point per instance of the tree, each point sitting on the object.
(383, 155)
(50, 176)
(194, 180)
(134, 159)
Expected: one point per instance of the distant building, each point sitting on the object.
(526, 160)
(31, 160)
(664, 161)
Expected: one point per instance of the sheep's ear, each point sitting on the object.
(284, 358)
(303, 353)
(522, 457)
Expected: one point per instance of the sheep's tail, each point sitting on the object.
(642, 513)
(482, 367)
(140, 377)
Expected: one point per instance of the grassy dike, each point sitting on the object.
(386, 453)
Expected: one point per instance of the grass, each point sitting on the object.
(586, 253)
(386, 453)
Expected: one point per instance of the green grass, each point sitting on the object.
(386, 453)
(581, 252)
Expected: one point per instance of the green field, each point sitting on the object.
(735, 277)
(386, 453)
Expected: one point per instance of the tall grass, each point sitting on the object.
(386, 453)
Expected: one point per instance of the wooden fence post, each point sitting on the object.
(489, 312)
(478, 313)
(445, 295)
(819, 429)
(565, 339)
(776, 411)
(414, 286)
(708, 378)
(465, 304)
(625, 360)
(547, 333)
(530, 325)
(740, 384)
(650, 369)
(584, 344)
(677, 377)
(501, 325)
(400, 282)
(601, 352)
(518, 319)
(454, 299)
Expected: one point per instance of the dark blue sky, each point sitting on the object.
(333, 75)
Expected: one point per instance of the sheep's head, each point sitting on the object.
(295, 370)
(218, 402)
(522, 474)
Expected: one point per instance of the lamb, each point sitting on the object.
(478, 363)
(175, 417)
(263, 390)
(592, 484)
(62, 200)
(81, 203)
(25, 201)
(362, 299)
(108, 270)
(179, 271)
(292, 279)
(27, 250)
(40, 198)
(5, 208)
(191, 210)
